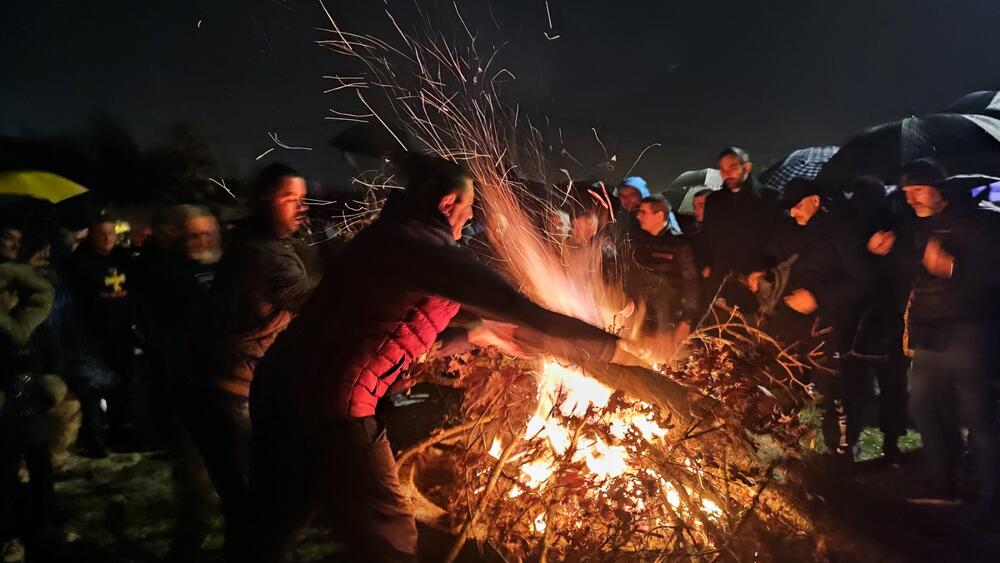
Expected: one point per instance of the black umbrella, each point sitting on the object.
(373, 141)
(983, 102)
(706, 177)
(803, 163)
(963, 144)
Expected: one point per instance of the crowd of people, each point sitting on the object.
(262, 376)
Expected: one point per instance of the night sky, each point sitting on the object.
(696, 76)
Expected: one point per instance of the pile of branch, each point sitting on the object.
(722, 481)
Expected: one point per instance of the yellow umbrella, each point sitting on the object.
(41, 185)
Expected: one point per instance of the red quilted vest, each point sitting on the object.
(383, 357)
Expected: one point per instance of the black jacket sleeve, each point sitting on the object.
(848, 283)
(449, 272)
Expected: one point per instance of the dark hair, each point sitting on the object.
(704, 192)
(270, 178)
(33, 241)
(10, 225)
(659, 203)
(428, 179)
(739, 153)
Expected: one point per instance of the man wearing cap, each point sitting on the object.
(739, 220)
(812, 291)
(951, 326)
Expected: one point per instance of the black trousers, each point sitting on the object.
(950, 388)
(340, 470)
(890, 373)
(29, 520)
(219, 423)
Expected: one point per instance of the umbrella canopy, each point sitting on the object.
(803, 163)
(39, 185)
(963, 144)
(371, 140)
(983, 102)
(680, 194)
(704, 178)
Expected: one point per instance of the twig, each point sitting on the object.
(463, 536)
(439, 437)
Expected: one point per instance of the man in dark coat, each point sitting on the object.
(952, 328)
(260, 284)
(319, 446)
(739, 220)
(662, 272)
(876, 346)
(178, 267)
(812, 294)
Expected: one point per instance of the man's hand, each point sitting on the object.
(492, 333)
(881, 242)
(801, 301)
(937, 261)
(753, 281)
(706, 272)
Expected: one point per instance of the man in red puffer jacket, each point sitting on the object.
(397, 286)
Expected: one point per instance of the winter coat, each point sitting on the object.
(175, 298)
(736, 228)
(399, 283)
(663, 271)
(832, 264)
(27, 345)
(972, 295)
(879, 329)
(259, 286)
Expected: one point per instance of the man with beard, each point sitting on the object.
(739, 220)
(259, 286)
(319, 445)
(179, 266)
(952, 328)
